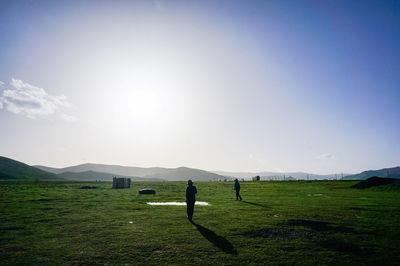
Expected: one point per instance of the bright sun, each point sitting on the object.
(146, 102)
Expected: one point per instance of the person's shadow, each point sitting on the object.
(256, 204)
(217, 240)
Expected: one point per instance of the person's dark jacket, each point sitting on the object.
(191, 193)
(237, 186)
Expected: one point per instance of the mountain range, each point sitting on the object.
(90, 171)
(393, 172)
(12, 169)
(105, 172)
(99, 176)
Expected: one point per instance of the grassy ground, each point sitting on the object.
(276, 223)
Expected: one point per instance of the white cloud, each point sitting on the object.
(1, 99)
(325, 156)
(31, 101)
(68, 118)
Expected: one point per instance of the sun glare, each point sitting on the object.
(144, 104)
(147, 100)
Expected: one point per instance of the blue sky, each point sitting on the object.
(218, 85)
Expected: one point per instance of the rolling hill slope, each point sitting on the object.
(88, 172)
(99, 176)
(104, 168)
(393, 172)
(184, 173)
(11, 169)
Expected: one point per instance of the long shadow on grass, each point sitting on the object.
(319, 226)
(218, 241)
(255, 204)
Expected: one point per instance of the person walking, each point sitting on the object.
(237, 188)
(190, 199)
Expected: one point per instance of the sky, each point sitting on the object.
(232, 85)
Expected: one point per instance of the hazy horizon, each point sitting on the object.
(231, 86)
(209, 170)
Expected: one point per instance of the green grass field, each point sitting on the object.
(303, 223)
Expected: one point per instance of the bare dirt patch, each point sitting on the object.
(341, 246)
(10, 228)
(280, 233)
(366, 209)
(319, 226)
(42, 200)
(88, 187)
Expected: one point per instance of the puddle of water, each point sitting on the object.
(174, 203)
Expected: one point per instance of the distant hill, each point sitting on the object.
(88, 172)
(184, 173)
(375, 181)
(11, 169)
(393, 172)
(105, 168)
(174, 174)
(94, 176)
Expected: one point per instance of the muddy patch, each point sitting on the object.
(319, 226)
(13, 249)
(359, 209)
(43, 200)
(11, 228)
(280, 233)
(88, 187)
(45, 220)
(341, 246)
(366, 209)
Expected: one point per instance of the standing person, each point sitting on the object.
(190, 199)
(237, 188)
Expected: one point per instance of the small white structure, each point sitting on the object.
(121, 182)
